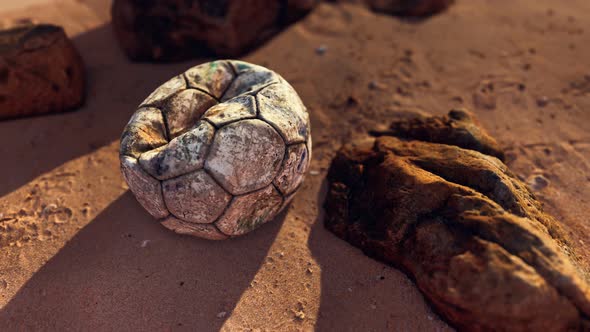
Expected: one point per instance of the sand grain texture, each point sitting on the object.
(110, 267)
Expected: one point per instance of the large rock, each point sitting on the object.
(40, 71)
(471, 235)
(177, 29)
(411, 8)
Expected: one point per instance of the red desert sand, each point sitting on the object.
(80, 253)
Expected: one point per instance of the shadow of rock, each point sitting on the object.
(360, 294)
(36, 145)
(125, 271)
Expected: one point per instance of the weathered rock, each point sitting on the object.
(457, 128)
(175, 29)
(411, 8)
(471, 235)
(199, 153)
(40, 72)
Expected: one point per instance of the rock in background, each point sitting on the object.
(411, 8)
(174, 29)
(40, 71)
(459, 223)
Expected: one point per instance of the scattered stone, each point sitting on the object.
(375, 85)
(453, 217)
(321, 50)
(219, 150)
(542, 101)
(222, 314)
(40, 71)
(537, 182)
(300, 315)
(411, 8)
(164, 30)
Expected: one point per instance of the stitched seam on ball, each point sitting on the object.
(279, 191)
(188, 86)
(217, 182)
(166, 128)
(285, 158)
(222, 214)
(235, 76)
(274, 127)
(164, 200)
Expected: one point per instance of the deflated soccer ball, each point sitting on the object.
(217, 151)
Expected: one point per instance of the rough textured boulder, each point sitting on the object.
(444, 210)
(409, 7)
(177, 29)
(412, 8)
(40, 71)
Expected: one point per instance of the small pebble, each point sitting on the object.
(222, 314)
(313, 172)
(374, 85)
(300, 315)
(537, 182)
(320, 50)
(144, 243)
(542, 101)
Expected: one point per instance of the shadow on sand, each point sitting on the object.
(164, 281)
(361, 294)
(115, 86)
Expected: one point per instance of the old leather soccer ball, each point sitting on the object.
(217, 151)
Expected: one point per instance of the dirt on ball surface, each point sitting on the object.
(218, 150)
(435, 202)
